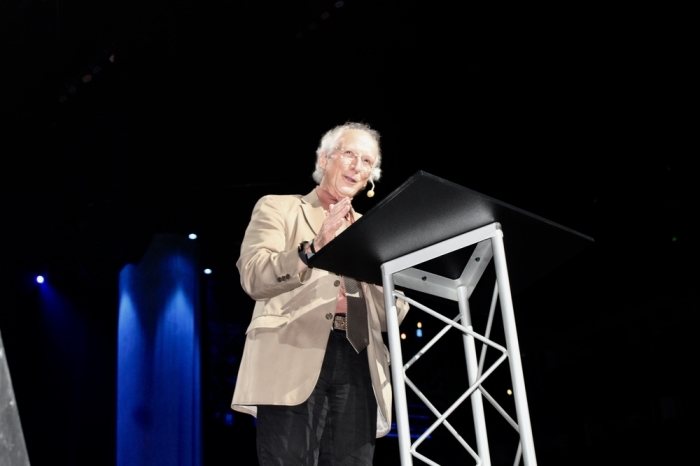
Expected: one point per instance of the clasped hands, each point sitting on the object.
(335, 218)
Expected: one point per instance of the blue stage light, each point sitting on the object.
(39, 279)
(419, 332)
(207, 271)
(192, 236)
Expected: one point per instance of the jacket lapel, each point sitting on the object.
(313, 211)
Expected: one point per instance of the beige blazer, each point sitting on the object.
(287, 336)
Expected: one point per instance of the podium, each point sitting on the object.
(436, 237)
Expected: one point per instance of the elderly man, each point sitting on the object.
(320, 398)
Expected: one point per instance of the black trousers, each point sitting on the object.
(336, 426)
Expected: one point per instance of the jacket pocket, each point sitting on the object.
(267, 321)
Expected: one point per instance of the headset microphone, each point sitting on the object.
(370, 193)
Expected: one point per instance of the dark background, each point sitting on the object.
(193, 110)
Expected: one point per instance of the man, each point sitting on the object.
(319, 398)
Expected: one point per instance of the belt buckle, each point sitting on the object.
(340, 322)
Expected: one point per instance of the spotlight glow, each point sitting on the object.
(403, 336)
(192, 236)
(419, 333)
(510, 392)
(39, 279)
(207, 271)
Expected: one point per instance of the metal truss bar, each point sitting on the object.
(433, 463)
(425, 459)
(431, 343)
(479, 260)
(498, 407)
(427, 402)
(482, 441)
(489, 247)
(426, 282)
(466, 330)
(399, 389)
(459, 401)
(461, 328)
(441, 248)
(511, 335)
(510, 420)
(437, 413)
(489, 324)
(436, 285)
(434, 410)
(518, 454)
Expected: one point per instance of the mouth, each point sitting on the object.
(349, 179)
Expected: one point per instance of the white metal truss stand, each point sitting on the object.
(401, 272)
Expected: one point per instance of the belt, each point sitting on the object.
(340, 322)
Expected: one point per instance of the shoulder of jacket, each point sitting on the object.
(283, 199)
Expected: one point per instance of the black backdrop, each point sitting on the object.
(194, 110)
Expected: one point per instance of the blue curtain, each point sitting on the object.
(158, 357)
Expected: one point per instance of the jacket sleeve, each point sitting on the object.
(376, 293)
(267, 265)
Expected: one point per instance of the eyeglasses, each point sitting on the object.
(365, 164)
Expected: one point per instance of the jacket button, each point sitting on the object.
(336, 283)
(287, 277)
(279, 279)
(329, 316)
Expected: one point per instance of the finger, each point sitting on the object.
(331, 224)
(341, 207)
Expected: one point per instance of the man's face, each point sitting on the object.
(349, 164)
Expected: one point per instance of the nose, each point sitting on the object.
(356, 163)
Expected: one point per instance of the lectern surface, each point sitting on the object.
(427, 209)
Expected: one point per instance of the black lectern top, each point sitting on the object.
(427, 209)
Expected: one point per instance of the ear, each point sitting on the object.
(322, 160)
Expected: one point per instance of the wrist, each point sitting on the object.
(305, 252)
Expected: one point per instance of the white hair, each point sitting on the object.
(330, 139)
